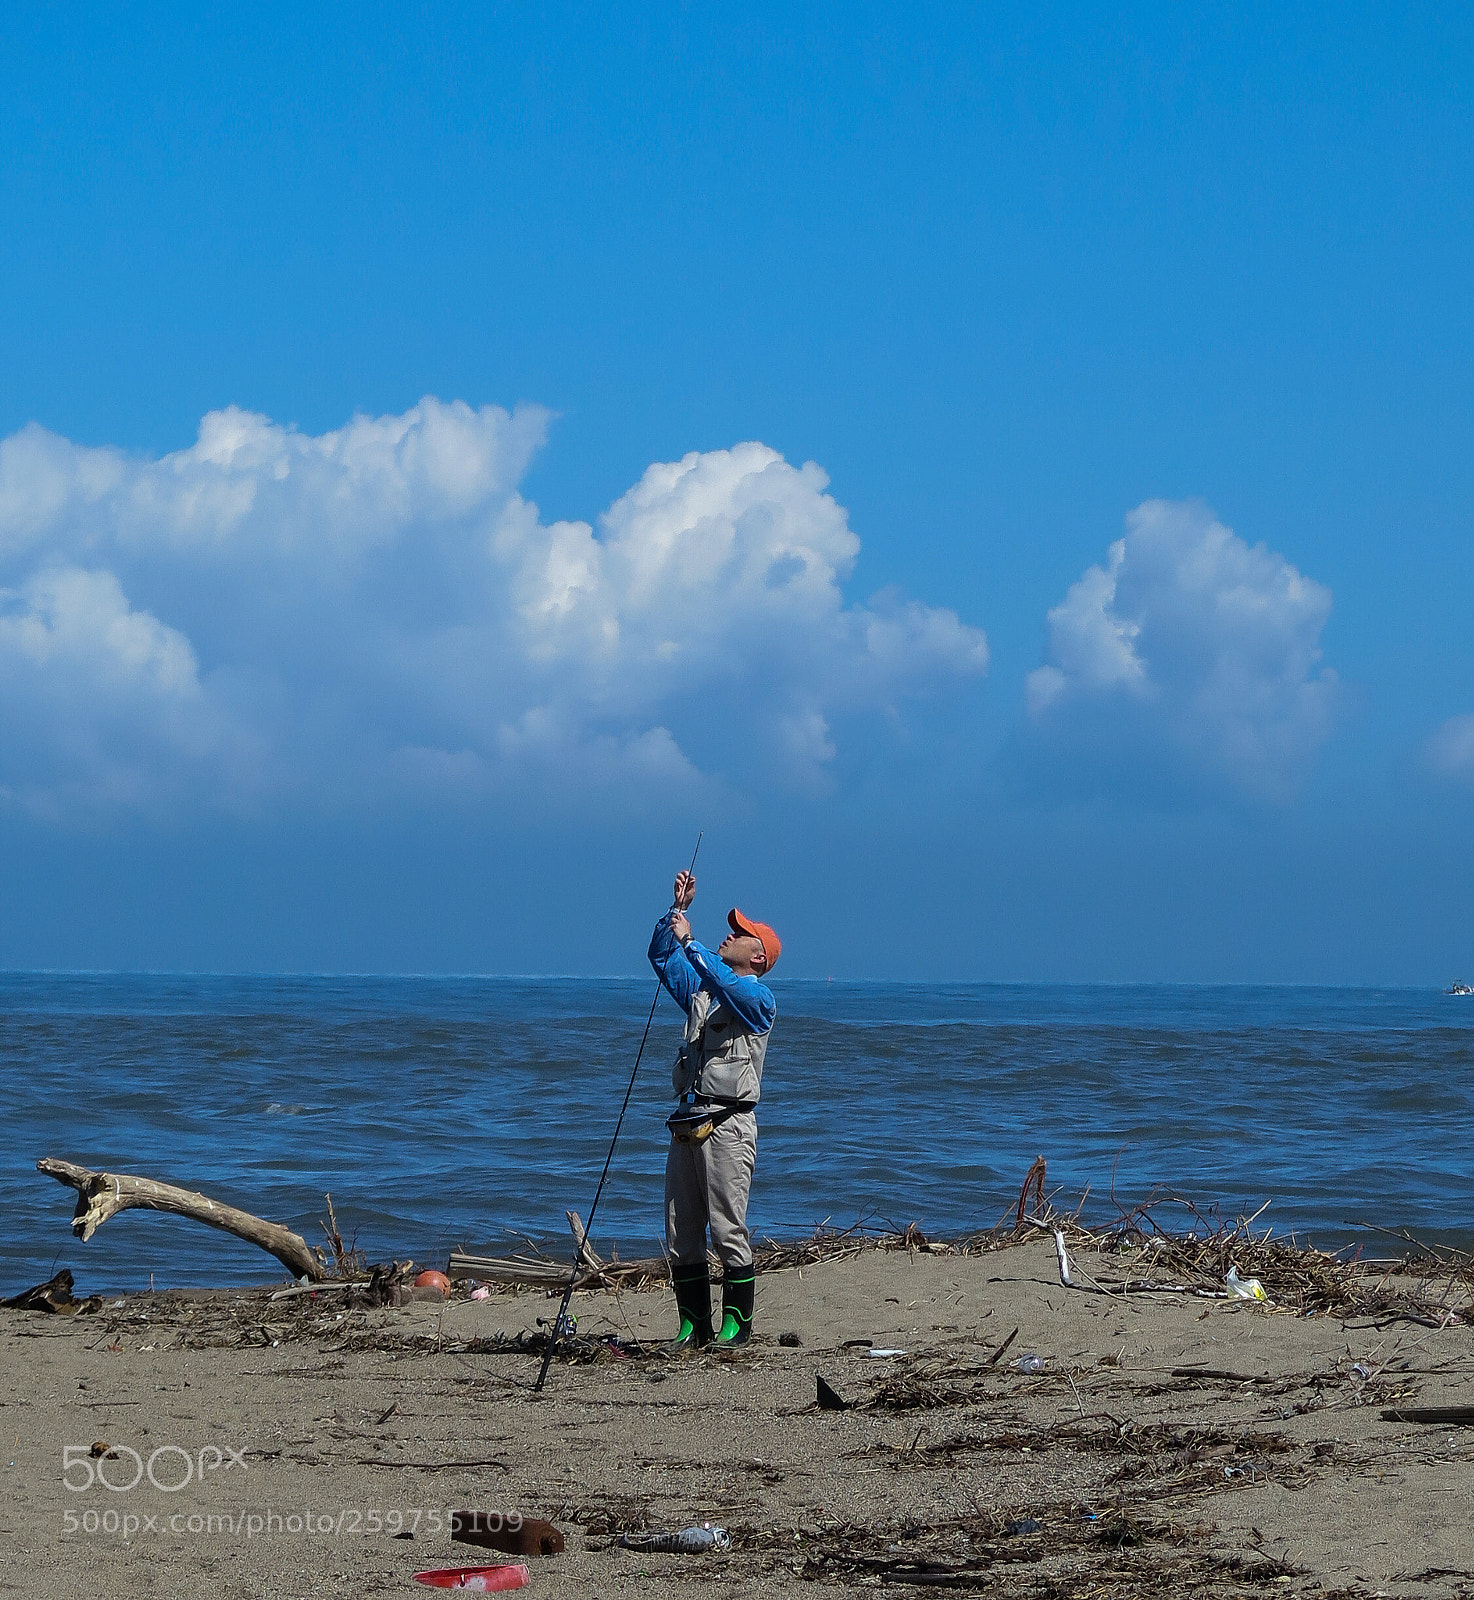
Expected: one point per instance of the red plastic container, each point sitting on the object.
(476, 1580)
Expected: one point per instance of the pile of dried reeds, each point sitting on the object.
(1428, 1284)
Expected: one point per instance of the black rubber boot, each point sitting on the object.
(738, 1288)
(693, 1302)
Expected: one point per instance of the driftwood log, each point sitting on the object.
(54, 1296)
(538, 1272)
(101, 1195)
(533, 1272)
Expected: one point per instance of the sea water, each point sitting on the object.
(473, 1112)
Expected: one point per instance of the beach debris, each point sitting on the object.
(1416, 1286)
(538, 1271)
(1022, 1525)
(1034, 1175)
(508, 1531)
(386, 1285)
(913, 1238)
(1435, 1416)
(583, 1250)
(1243, 1288)
(997, 1355)
(883, 1355)
(688, 1542)
(1063, 1257)
(790, 1340)
(101, 1195)
(55, 1297)
(1029, 1363)
(431, 1279)
(481, 1292)
(828, 1399)
(1131, 1286)
(477, 1580)
(912, 1391)
(1217, 1374)
(1120, 1531)
(1359, 1369)
(314, 1289)
(348, 1260)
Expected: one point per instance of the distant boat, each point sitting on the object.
(1460, 988)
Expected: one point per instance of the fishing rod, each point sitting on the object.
(559, 1322)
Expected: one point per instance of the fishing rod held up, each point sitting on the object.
(560, 1322)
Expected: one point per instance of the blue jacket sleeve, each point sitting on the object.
(748, 999)
(671, 965)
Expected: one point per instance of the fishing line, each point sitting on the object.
(559, 1322)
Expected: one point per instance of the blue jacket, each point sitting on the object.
(686, 971)
(727, 1022)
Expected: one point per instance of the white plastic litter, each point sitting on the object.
(1244, 1288)
(689, 1541)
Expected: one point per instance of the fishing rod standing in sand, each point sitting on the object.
(556, 1332)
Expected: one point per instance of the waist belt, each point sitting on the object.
(693, 1123)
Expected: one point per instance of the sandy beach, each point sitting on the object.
(1167, 1443)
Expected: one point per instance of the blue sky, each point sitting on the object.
(452, 456)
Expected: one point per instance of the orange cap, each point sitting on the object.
(756, 930)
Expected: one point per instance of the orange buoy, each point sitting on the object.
(433, 1280)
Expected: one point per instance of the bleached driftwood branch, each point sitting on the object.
(586, 1257)
(537, 1272)
(1132, 1286)
(101, 1195)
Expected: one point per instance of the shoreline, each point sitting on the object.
(1199, 1248)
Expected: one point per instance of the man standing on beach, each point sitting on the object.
(718, 1075)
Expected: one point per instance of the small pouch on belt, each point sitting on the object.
(693, 1124)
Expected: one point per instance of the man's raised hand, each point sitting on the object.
(685, 891)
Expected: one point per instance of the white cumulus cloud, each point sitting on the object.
(1189, 663)
(378, 610)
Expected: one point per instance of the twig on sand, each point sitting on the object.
(1034, 1175)
(997, 1355)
